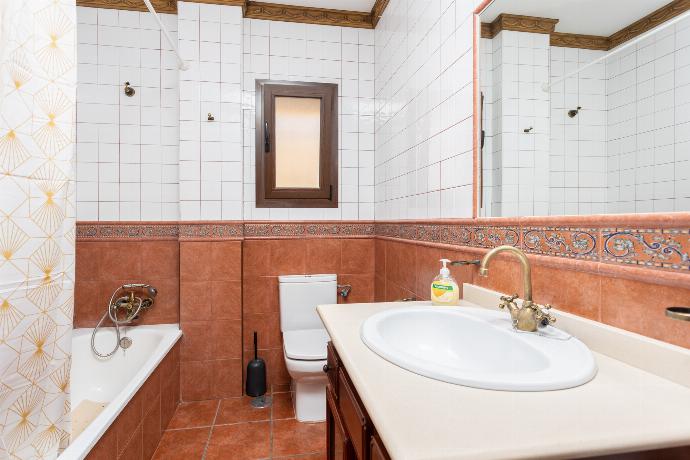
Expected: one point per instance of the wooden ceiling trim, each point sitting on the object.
(589, 42)
(161, 6)
(377, 11)
(649, 22)
(267, 11)
(520, 23)
(592, 42)
(289, 13)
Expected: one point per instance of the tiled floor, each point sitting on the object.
(231, 429)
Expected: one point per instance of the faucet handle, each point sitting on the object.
(544, 318)
(506, 300)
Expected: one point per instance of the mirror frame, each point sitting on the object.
(653, 219)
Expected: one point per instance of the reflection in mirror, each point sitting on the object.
(585, 107)
(298, 138)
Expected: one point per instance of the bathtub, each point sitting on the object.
(112, 382)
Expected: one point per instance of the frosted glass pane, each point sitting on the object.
(298, 136)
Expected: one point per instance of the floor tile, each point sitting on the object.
(182, 444)
(319, 456)
(194, 414)
(280, 388)
(242, 441)
(291, 437)
(282, 406)
(236, 410)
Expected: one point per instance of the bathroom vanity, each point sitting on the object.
(636, 407)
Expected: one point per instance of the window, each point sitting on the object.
(296, 144)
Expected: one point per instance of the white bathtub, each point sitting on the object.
(114, 380)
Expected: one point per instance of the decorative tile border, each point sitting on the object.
(311, 229)
(578, 243)
(454, 234)
(99, 231)
(648, 247)
(195, 231)
(211, 231)
(653, 248)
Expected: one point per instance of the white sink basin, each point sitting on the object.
(478, 348)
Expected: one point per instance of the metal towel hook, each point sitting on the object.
(129, 91)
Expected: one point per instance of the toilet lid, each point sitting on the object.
(306, 344)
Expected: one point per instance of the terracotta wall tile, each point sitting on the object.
(267, 326)
(88, 261)
(288, 257)
(323, 256)
(226, 336)
(129, 418)
(227, 378)
(380, 247)
(195, 261)
(134, 449)
(151, 430)
(256, 257)
(226, 299)
(196, 378)
(197, 342)
(260, 294)
(357, 256)
(105, 448)
(196, 301)
(226, 261)
(379, 288)
(639, 307)
(110, 264)
(427, 268)
(575, 292)
(400, 264)
(160, 259)
(362, 288)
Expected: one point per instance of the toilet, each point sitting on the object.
(305, 339)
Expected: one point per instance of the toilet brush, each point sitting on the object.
(256, 379)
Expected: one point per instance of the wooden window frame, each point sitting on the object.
(268, 196)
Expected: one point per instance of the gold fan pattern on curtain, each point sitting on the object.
(37, 224)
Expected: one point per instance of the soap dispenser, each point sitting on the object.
(444, 288)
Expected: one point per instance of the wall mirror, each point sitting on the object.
(584, 107)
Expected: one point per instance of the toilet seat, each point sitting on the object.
(305, 344)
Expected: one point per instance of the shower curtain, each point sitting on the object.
(37, 224)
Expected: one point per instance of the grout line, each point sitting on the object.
(210, 432)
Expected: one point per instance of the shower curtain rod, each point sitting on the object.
(180, 62)
(547, 86)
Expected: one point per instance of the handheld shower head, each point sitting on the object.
(152, 291)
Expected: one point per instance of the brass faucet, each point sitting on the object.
(530, 316)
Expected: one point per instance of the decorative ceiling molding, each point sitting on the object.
(519, 23)
(590, 42)
(290, 13)
(161, 6)
(648, 22)
(268, 11)
(377, 11)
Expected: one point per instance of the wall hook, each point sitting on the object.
(572, 113)
(211, 117)
(129, 91)
(527, 130)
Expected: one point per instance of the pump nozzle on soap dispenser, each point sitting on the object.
(444, 288)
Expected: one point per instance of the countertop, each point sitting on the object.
(624, 408)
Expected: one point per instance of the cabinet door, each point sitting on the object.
(338, 443)
(378, 452)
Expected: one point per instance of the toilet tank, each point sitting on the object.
(299, 296)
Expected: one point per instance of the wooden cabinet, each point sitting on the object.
(351, 434)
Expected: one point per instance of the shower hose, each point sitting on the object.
(111, 312)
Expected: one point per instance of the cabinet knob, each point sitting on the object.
(326, 368)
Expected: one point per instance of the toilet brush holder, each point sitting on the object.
(256, 379)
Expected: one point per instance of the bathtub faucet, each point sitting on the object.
(132, 305)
